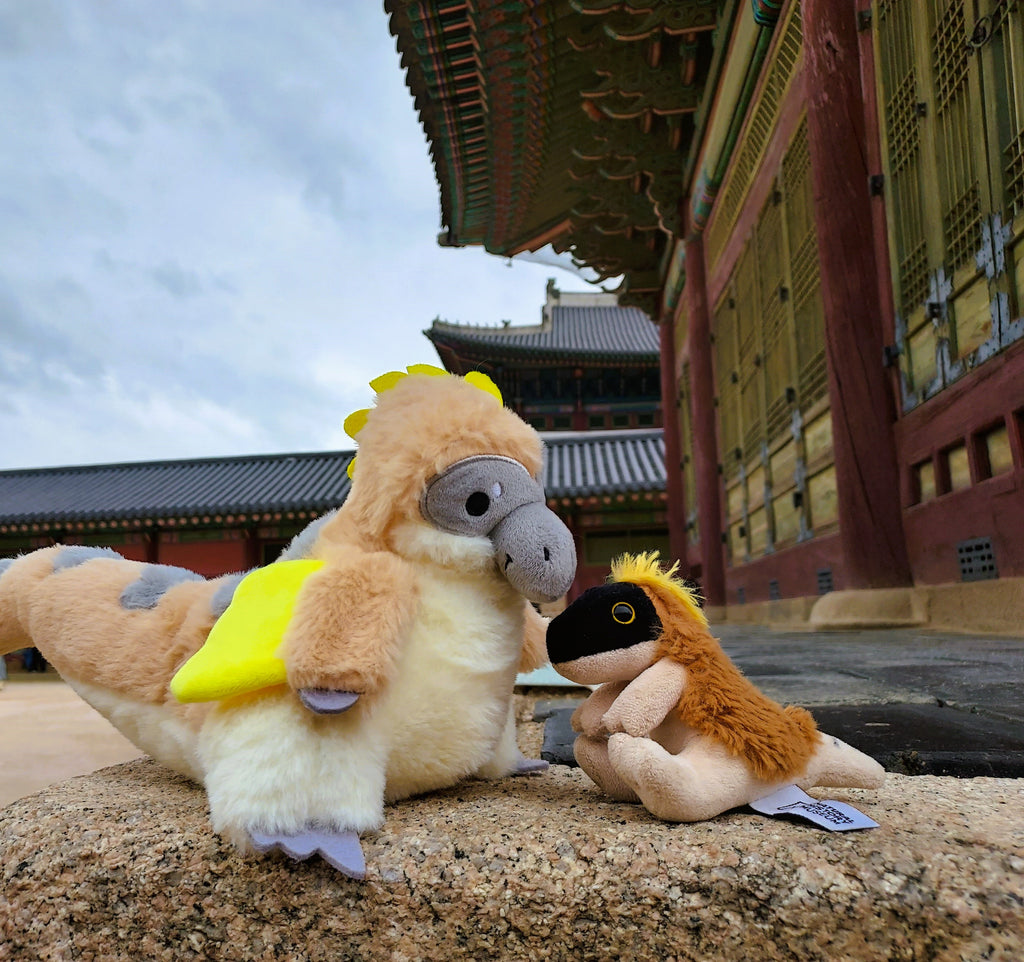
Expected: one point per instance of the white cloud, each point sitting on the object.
(218, 223)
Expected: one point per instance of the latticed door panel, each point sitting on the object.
(727, 381)
(951, 78)
(1007, 83)
(901, 101)
(957, 100)
(748, 331)
(776, 318)
(686, 454)
(811, 380)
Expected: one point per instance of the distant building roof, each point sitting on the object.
(588, 464)
(573, 325)
(593, 463)
(175, 489)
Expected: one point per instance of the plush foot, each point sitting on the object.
(592, 756)
(327, 701)
(527, 766)
(340, 849)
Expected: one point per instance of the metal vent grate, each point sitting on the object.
(826, 582)
(977, 560)
(773, 590)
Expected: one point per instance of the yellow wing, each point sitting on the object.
(240, 654)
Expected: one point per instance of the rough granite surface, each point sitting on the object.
(121, 864)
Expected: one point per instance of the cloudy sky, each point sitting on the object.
(218, 221)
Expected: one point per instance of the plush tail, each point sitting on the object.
(835, 764)
(18, 576)
(97, 618)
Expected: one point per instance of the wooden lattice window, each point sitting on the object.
(749, 361)
(746, 162)
(951, 84)
(776, 316)
(686, 453)
(808, 310)
(728, 379)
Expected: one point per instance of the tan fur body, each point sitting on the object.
(418, 622)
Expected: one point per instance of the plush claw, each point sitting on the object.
(327, 701)
(342, 850)
(527, 766)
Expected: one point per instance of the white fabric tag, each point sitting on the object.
(835, 816)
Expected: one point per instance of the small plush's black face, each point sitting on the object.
(606, 618)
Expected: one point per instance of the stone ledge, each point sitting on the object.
(978, 607)
(121, 864)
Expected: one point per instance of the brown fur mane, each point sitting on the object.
(720, 702)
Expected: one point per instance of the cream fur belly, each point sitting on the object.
(162, 731)
(448, 707)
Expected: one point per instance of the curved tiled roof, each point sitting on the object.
(577, 465)
(594, 463)
(624, 332)
(172, 489)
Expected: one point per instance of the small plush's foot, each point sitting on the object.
(528, 766)
(340, 849)
(327, 701)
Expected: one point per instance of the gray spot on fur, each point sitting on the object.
(224, 593)
(302, 544)
(153, 584)
(78, 554)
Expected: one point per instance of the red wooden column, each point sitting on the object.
(702, 416)
(675, 483)
(863, 409)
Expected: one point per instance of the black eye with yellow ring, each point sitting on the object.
(623, 613)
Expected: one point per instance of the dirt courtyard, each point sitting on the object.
(48, 734)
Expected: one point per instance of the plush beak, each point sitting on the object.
(535, 552)
(496, 497)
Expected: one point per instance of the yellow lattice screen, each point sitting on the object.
(776, 317)
(750, 150)
(686, 452)
(727, 375)
(811, 379)
(748, 336)
(951, 84)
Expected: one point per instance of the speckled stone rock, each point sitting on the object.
(121, 864)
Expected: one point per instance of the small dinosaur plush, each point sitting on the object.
(674, 724)
(374, 661)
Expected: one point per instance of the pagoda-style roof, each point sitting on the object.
(226, 491)
(208, 490)
(570, 334)
(589, 464)
(569, 122)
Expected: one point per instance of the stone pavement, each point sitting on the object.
(920, 702)
(48, 734)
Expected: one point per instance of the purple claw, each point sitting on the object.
(327, 701)
(339, 849)
(526, 766)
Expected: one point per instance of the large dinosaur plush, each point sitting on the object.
(374, 661)
(674, 724)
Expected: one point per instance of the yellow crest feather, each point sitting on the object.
(356, 421)
(645, 569)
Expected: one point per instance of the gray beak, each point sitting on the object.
(535, 552)
(495, 497)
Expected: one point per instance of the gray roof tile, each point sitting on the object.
(614, 331)
(577, 464)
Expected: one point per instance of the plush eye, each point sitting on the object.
(477, 504)
(623, 613)
(475, 494)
